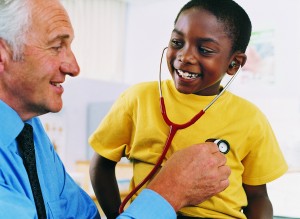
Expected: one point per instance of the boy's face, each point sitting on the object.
(199, 53)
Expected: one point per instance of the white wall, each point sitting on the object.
(99, 27)
(148, 32)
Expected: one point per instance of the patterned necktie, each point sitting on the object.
(26, 148)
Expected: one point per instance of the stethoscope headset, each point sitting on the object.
(222, 144)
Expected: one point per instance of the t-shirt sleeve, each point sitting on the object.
(113, 135)
(265, 162)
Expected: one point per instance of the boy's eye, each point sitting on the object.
(176, 43)
(205, 51)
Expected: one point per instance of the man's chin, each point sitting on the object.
(55, 108)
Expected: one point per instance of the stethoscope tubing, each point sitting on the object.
(173, 128)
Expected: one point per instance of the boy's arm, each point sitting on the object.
(259, 204)
(103, 179)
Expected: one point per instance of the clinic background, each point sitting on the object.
(119, 43)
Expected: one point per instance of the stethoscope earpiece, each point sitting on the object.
(232, 64)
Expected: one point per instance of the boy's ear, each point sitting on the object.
(4, 54)
(238, 60)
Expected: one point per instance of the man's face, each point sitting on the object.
(33, 85)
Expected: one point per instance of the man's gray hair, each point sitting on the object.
(14, 24)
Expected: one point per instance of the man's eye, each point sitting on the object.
(57, 48)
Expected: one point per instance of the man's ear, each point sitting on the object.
(5, 53)
(238, 60)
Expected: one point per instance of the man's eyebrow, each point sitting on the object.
(60, 37)
(204, 39)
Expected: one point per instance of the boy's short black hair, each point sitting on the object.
(236, 21)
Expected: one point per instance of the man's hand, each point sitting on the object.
(192, 175)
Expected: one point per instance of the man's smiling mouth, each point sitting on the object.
(187, 75)
(56, 84)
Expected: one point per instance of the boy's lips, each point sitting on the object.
(187, 75)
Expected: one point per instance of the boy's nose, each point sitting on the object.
(186, 56)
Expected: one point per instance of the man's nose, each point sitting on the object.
(70, 66)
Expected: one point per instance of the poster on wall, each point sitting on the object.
(259, 71)
(260, 65)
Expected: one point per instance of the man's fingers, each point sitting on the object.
(225, 172)
(213, 147)
(224, 184)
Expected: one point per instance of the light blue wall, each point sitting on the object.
(81, 98)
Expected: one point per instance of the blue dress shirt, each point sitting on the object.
(149, 205)
(63, 198)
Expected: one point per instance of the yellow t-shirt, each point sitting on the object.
(134, 127)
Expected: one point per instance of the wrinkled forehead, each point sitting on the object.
(50, 14)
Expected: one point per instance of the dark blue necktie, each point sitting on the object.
(26, 148)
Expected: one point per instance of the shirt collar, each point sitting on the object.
(10, 124)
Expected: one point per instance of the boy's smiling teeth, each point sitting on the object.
(187, 75)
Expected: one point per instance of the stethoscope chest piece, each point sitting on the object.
(223, 145)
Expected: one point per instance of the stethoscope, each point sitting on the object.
(223, 145)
